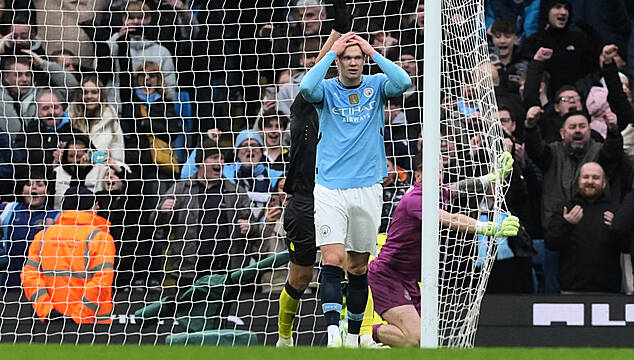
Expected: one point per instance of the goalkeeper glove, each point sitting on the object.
(509, 227)
(343, 19)
(505, 163)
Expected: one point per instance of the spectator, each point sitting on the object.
(6, 18)
(288, 92)
(573, 54)
(395, 184)
(43, 137)
(566, 99)
(399, 132)
(78, 166)
(60, 26)
(208, 217)
(525, 13)
(273, 241)
(66, 59)
(414, 33)
(131, 47)
(612, 56)
(275, 153)
(80, 246)
(608, 20)
(583, 234)
(509, 65)
(251, 173)
(560, 161)
(19, 90)
(21, 220)
(21, 40)
(120, 208)
(149, 122)
(91, 114)
(533, 85)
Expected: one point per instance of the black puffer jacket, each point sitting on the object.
(590, 251)
(574, 53)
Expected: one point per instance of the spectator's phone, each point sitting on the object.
(99, 156)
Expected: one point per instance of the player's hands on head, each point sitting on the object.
(343, 42)
(366, 48)
(343, 18)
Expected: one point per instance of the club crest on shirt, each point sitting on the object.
(368, 92)
(353, 98)
(324, 230)
(407, 295)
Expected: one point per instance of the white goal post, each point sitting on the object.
(135, 99)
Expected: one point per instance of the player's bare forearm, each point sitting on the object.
(334, 36)
(457, 222)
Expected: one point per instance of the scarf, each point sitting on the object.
(151, 98)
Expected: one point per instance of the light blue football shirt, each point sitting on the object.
(351, 150)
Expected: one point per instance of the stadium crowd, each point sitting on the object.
(175, 115)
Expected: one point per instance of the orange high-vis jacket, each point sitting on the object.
(70, 268)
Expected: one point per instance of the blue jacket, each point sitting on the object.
(20, 232)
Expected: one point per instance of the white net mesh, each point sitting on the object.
(116, 98)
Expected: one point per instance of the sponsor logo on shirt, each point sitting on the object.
(355, 114)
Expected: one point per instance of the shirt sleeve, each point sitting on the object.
(397, 79)
(311, 85)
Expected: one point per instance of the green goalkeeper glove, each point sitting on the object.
(509, 227)
(505, 162)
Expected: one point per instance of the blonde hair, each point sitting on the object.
(151, 67)
(79, 119)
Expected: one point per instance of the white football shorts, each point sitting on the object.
(348, 216)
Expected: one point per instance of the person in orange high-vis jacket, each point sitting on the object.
(70, 266)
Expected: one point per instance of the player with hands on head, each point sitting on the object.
(300, 182)
(351, 165)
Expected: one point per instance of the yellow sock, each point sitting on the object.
(368, 316)
(286, 316)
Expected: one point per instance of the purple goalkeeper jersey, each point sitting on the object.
(401, 252)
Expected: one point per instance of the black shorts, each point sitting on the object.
(299, 223)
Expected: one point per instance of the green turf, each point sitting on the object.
(131, 352)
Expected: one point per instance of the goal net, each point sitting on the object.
(174, 115)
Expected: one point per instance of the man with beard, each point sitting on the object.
(201, 213)
(589, 248)
(560, 161)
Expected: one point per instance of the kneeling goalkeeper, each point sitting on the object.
(394, 274)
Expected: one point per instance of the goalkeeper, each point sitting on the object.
(394, 275)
